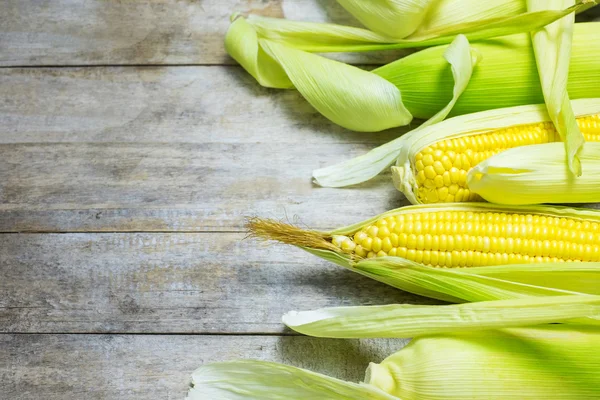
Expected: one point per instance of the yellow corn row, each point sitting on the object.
(457, 235)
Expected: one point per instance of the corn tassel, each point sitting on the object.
(550, 362)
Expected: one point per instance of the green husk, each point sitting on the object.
(549, 362)
(484, 24)
(552, 48)
(537, 174)
(407, 320)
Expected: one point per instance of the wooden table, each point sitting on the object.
(131, 149)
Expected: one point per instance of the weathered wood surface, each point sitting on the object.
(103, 367)
(211, 186)
(133, 32)
(168, 283)
(160, 104)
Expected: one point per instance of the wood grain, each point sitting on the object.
(102, 367)
(212, 186)
(168, 283)
(156, 104)
(135, 32)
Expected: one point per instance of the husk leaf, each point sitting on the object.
(537, 174)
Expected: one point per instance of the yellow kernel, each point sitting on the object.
(420, 242)
(360, 236)
(402, 239)
(383, 232)
(394, 239)
(348, 245)
(371, 255)
(419, 165)
(381, 253)
(359, 251)
(392, 252)
(421, 177)
(438, 168)
(367, 244)
(412, 241)
(430, 172)
(428, 160)
(372, 231)
(381, 222)
(438, 181)
(386, 244)
(376, 246)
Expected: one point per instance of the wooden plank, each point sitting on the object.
(168, 283)
(136, 367)
(154, 104)
(213, 186)
(135, 32)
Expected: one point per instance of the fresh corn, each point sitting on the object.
(486, 251)
(434, 163)
(419, 85)
(559, 362)
(457, 235)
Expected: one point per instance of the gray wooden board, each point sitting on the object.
(107, 367)
(114, 32)
(160, 104)
(168, 283)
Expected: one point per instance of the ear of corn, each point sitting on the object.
(433, 165)
(423, 79)
(406, 320)
(349, 96)
(537, 174)
(405, 247)
(326, 37)
(554, 362)
(552, 49)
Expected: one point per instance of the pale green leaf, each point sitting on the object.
(545, 362)
(395, 18)
(454, 285)
(407, 320)
(347, 95)
(241, 43)
(326, 37)
(552, 47)
(581, 277)
(462, 62)
(537, 174)
(260, 380)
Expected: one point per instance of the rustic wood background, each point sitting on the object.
(131, 148)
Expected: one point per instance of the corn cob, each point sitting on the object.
(436, 171)
(457, 235)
